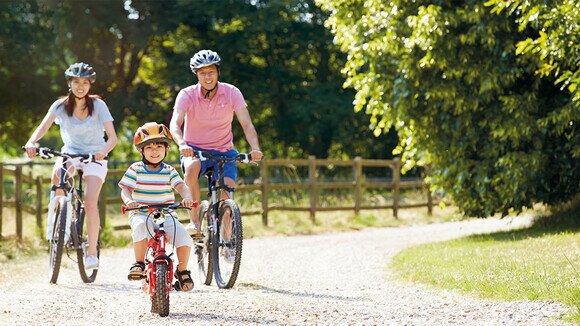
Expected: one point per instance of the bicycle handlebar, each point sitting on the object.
(241, 157)
(154, 207)
(47, 153)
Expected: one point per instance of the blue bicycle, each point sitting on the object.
(220, 220)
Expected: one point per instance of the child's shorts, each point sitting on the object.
(139, 229)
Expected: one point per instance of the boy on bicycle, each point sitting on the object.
(150, 181)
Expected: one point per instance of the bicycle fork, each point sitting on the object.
(159, 257)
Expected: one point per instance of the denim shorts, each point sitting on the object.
(230, 168)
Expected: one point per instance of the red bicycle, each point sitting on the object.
(158, 273)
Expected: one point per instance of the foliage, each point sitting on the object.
(277, 52)
(450, 79)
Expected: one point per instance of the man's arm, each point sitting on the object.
(250, 132)
(175, 126)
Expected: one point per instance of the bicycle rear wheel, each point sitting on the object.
(57, 243)
(227, 247)
(160, 299)
(81, 243)
(202, 247)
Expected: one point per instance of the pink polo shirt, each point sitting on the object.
(208, 123)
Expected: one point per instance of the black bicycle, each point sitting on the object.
(75, 240)
(220, 250)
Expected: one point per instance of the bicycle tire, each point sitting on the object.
(226, 270)
(81, 244)
(160, 299)
(57, 243)
(203, 247)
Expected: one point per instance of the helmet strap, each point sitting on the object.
(208, 91)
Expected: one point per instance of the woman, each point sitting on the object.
(82, 119)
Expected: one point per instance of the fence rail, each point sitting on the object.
(310, 183)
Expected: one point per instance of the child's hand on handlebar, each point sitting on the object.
(188, 202)
(132, 204)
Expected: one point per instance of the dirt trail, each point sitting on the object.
(330, 279)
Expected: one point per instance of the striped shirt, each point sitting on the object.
(151, 187)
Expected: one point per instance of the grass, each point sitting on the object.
(538, 263)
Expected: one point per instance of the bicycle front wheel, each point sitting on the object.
(160, 299)
(202, 247)
(57, 243)
(81, 243)
(227, 245)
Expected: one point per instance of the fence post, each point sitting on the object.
(18, 198)
(103, 205)
(39, 196)
(1, 195)
(30, 177)
(312, 180)
(358, 183)
(428, 170)
(265, 180)
(429, 201)
(396, 186)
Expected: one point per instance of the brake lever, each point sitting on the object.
(42, 153)
(200, 156)
(88, 159)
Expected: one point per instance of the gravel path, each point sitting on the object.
(330, 279)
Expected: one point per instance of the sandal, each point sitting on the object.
(136, 271)
(184, 281)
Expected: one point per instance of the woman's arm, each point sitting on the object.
(111, 140)
(38, 134)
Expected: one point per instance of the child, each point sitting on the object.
(151, 181)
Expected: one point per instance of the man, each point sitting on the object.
(206, 111)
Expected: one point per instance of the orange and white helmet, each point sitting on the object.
(151, 132)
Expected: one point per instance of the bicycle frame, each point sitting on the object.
(73, 194)
(213, 186)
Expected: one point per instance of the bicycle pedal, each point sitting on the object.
(135, 277)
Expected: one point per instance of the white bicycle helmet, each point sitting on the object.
(204, 58)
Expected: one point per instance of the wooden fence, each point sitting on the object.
(264, 185)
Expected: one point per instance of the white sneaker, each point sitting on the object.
(91, 262)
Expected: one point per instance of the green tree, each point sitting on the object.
(277, 52)
(27, 71)
(283, 59)
(447, 77)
